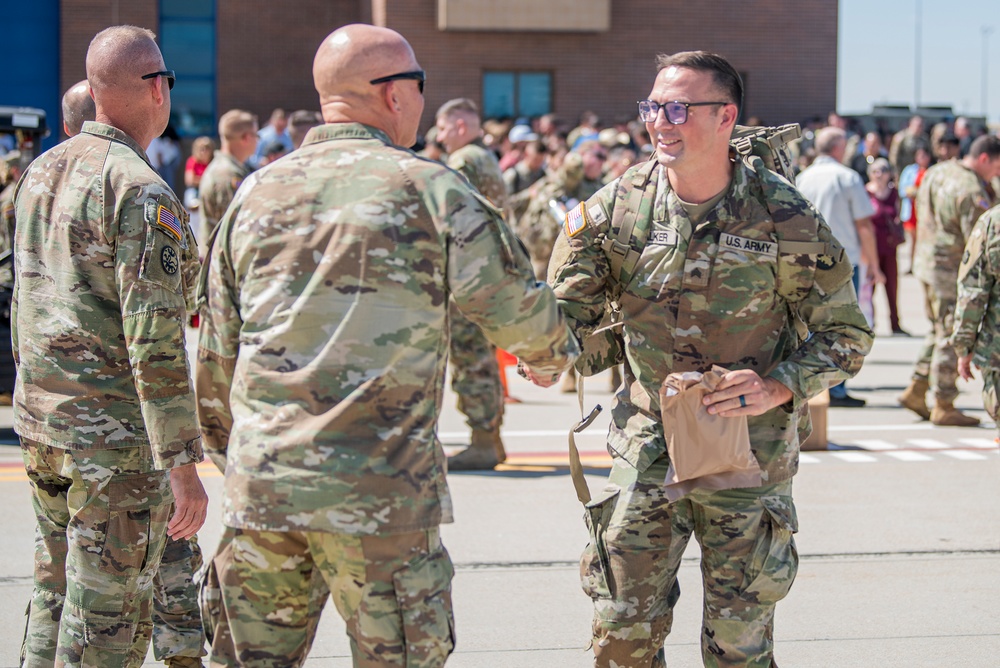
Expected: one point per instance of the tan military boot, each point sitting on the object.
(183, 662)
(914, 398)
(568, 382)
(485, 452)
(946, 415)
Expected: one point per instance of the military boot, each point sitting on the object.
(183, 662)
(568, 382)
(914, 398)
(485, 452)
(946, 415)
(616, 378)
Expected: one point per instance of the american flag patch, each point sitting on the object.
(576, 221)
(168, 221)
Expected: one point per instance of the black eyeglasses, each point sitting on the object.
(417, 75)
(166, 74)
(676, 112)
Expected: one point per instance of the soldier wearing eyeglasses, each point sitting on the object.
(103, 403)
(730, 267)
(321, 367)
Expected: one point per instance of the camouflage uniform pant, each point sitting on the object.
(177, 629)
(637, 540)
(475, 376)
(938, 362)
(101, 526)
(394, 592)
(990, 377)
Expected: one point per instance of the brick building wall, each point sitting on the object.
(788, 51)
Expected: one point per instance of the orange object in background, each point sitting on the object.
(504, 360)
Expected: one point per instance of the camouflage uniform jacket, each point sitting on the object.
(727, 291)
(977, 315)
(104, 256)
(218, 186)
(7, 231)
(950, 200)
(478, 164)
(324, 335)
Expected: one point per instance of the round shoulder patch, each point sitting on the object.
(168, 260)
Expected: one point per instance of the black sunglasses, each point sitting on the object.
(418, 75)
(166, 74)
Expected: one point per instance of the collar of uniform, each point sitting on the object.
(332, 131)
(113, 133)
(219, 155)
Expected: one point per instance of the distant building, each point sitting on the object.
(516, 57)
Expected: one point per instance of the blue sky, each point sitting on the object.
(877, 54)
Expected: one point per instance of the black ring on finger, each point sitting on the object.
(743, 401)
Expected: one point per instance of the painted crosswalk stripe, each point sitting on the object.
(854, 457)
(908, 456)
(928, 443)
(809, 459)
(984, 443)
(964, 455)
(876, 444)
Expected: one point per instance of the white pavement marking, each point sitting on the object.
(928, 443)
(984, 443)
(907, 456)
(854, 457)
(964, 455)
(876, 444)
(809, 459)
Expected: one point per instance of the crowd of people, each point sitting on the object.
(334, 269)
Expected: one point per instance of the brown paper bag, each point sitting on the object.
(706, 451)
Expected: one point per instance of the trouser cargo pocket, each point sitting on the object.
(595, 564)
(423, 593)
(774, 561)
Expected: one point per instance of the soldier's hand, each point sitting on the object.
(965, 367)
(744, 392)
(540, 381)
(190, 502)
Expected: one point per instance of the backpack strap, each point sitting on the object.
(622, 246)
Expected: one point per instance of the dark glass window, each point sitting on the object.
(187, 39)
(512, 94)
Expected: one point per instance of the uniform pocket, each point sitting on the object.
(138, 506)
(595, 564)
(423, 593)
(161, 261)
(774, 561)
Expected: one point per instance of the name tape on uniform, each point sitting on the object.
(756, 246)
(663, 237)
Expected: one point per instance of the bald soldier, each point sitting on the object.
(178, 636)
(475, 375)
(223, 176)
(321, 365)
(103, 404)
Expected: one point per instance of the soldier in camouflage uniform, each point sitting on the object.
(223, 176)
(733, 260)
(475, 375)
(178, 636)
(951, 198)
(977, 312)
(103, 403)
(321, 366)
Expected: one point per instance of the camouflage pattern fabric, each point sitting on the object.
(393, 591)
(977, 317)
(629, 569)
(91, 603)
(475, 375)
(325, 329)
(950, 200)
(177, 625)
(7, 231)
(218, 186)
(729, 291)
(102, 248)
(541, 222)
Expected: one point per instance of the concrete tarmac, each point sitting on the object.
(899, 541)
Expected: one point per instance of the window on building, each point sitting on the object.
(187, 40)
(513, 94)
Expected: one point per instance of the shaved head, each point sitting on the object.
(119, 56)
(77, 108)
(352, 56)
(117, 60)
(346, 63)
